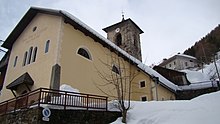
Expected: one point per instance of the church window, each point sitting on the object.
(34, 54)
(115, 69)
(47, 46)
(15, 61)
(25, 58)
(85, 53)
(118, 40)
(29, 55)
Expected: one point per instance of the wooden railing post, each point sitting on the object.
(106, 103)
(39, 98)
(87, 102)
(65, 100)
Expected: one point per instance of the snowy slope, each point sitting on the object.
(210, 70)
(201, 110)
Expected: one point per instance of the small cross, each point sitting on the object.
(123, 16)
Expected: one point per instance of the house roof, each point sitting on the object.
(76, 23)
(122, 22)
(23, 79)
(175, 57)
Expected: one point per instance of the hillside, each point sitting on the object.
(204, 49)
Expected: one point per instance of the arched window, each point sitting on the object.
(85, 53)
(118, 40)
(34, 54)
(115, 69)
(15, 62)
(29, 55)
(47, 46)
(25, 58)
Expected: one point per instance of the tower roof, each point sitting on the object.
(121, 23)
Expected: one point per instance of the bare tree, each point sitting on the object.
(119, 78)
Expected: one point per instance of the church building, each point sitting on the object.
(49, 48)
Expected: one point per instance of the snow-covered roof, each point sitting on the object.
(196, 86)
(187, 56)
(85, 29)
(196, 76)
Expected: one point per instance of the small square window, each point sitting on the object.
(186, 64)
(142, 84)
(143, 98)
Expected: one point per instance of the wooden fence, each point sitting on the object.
(55, 98)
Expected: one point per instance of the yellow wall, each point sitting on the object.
(76, 70)
(159, 93)
(137, 91)
(81, 73)
(48, 28)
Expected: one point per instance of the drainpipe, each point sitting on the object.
(156, 81)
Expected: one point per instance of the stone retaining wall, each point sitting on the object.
(34, 116)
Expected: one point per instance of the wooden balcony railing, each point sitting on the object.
(55, 98)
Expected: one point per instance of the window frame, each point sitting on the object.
(118, 41)
(87, 52)
(29, 55)
(144, 83)
(34, 56)
(47, 46)
(186, 64)
(117, 71)
(144, 96)
(15, 61)
(25, 58)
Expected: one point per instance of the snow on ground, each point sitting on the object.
(201, 110)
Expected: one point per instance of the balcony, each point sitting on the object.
(55, 99)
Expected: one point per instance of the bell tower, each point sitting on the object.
(126, 35)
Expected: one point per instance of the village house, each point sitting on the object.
(179, 62)
(49, 48)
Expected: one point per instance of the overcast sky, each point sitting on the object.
(170, 26)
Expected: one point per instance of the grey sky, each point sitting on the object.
(170, 26)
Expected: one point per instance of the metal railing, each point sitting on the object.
(55, 98)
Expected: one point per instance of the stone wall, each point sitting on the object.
(25, 116)
(34, 116)
(190, 94)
